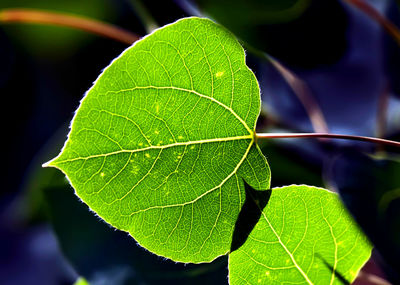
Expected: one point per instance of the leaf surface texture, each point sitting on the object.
(304, 236)
(162, 142)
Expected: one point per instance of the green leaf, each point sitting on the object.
(304, 236)
(160, 145)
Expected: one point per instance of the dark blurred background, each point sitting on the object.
(350, 66)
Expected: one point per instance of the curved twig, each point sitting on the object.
(382, 112)
(303, 93)
(385, 23)
(67, 20)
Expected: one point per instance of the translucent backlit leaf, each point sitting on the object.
(162, 142)
(304, 236)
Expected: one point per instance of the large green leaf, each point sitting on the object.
(160, 145)
(304, 236)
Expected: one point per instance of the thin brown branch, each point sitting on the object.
(303, 93)
(371, 279)
(381, 116)
(67, 20)
(385, 23)
(328, 136)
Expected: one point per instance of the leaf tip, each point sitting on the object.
(49, 163)
(46, 164)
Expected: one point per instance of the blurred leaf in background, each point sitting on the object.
(303, 33)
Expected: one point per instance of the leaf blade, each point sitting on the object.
(278, 249)
(158, 144)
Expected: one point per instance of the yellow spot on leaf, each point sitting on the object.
(219, 74)
(156, 132)
(102, 174)
(135, 169)
(180, 137)
(147, 155)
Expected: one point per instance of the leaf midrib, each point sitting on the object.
(305, 276)
(155, 147)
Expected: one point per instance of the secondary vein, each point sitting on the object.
(205, 193)
(189, 91)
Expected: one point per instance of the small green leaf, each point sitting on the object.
(81, 281)
(160, 145)
(304, 236)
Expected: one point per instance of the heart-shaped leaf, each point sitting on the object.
(160, 145)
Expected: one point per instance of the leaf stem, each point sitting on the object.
(385, 23)
(327, 135)
(67, 20)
